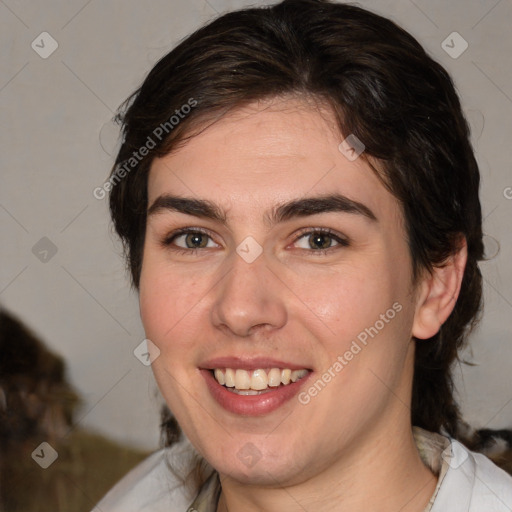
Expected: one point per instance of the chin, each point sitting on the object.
(248, 465)
(260, 475)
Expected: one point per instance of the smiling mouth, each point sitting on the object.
(256, 382)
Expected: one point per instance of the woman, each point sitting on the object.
(298, 199)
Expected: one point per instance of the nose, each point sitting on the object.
(248, 298)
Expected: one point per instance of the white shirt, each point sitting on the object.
(467, 481)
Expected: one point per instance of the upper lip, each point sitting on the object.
(249, 363)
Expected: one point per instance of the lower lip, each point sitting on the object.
(252, 405)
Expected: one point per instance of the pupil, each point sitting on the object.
(195, 239)
(321, 241)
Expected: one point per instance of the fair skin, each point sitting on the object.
(351, 446)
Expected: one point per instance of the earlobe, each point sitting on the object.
(438, 293)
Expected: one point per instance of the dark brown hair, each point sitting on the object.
(382, 87)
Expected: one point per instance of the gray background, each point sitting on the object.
(55, 144)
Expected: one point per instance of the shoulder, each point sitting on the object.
(152, 485)
(472, 483)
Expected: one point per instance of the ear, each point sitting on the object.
(437, 294)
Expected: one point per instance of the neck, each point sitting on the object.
(384, 473)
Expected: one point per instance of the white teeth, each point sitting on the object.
(230, 378)
(297, 374)
(245, 391)
(242, 379)
(274, 377)
(220, 377)
(259, 380)
(249, 383)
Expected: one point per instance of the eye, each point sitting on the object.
(320, 240)
(188, 240)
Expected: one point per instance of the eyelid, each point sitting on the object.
(168, 239)
(338, 237)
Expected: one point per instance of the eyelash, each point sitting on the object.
(342, 242)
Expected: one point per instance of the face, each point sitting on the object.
(268, 250)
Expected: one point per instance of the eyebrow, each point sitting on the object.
(297, 208)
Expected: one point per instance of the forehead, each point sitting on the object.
(266, 153)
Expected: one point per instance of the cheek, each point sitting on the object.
(347, 300)
(154, 305)
(170, 322)
(160, 309)
(166, 296)
(365, 317)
